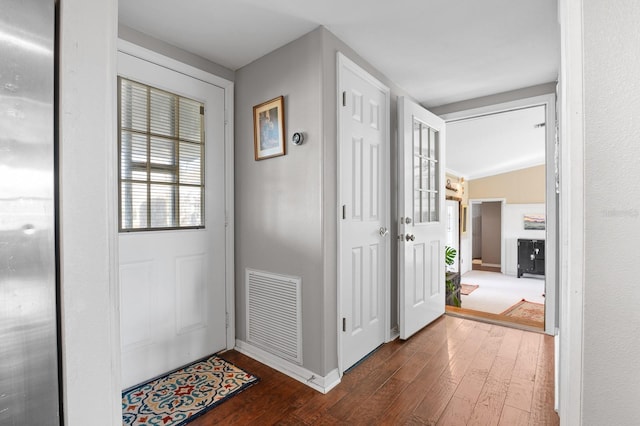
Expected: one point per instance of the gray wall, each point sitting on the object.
(278, 205)
(491, 232)
(498, 98)
(173, 52)
(611, 376)
(286, 220)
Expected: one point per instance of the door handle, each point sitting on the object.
(410, 237)
(383, 231)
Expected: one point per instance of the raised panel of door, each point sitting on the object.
(172, 282)
(363, 197)
(421, 208)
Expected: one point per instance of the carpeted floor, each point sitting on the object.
(498, 292)
(184, 394)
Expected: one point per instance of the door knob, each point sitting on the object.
(411, 237)
(383, 231)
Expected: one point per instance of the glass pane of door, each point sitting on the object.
(426, 172)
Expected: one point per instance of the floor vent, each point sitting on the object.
(274, 314)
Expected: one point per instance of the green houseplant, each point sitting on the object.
(449, 259)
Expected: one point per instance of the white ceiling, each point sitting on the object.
(438, 51)
(496, 143)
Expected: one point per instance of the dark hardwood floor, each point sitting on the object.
(453, 372)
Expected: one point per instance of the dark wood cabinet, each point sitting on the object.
(530, 257)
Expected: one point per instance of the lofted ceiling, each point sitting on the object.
(438, 51)
(496, 143)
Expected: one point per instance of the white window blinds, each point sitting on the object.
(161, 141)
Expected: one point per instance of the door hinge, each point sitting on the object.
(344, 211)
(226, 320)
(344, 99)
(344, 324)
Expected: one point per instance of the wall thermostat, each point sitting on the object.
(297, 138)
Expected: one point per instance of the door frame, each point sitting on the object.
(551, 199)
(477, 201)
(458, 204)
(228, 87)
(343, 62)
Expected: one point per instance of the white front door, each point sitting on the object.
(421, 209)
(363, 213)
(172, 282)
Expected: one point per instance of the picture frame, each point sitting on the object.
(269, 129)
(534, 222)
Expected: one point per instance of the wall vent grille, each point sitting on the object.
(274, 314)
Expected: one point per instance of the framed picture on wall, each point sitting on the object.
(534, 222)
(268, 129)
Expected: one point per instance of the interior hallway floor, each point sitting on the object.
(453, 372)
(498, 292)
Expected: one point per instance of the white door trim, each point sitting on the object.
(551, 276)
(570, 388)
(228, 87)
(502, 202)
(345, 62)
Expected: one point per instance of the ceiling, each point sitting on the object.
(496, 143)
(438, 51)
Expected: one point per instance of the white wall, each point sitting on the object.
(611, 376)
(513, 228)
(88, 220)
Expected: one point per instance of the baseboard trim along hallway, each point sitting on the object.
(322, 384)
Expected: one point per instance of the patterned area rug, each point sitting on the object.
(526, 310)
(467, 289)
(184, 394)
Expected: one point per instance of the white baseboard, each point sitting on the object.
(301, 374)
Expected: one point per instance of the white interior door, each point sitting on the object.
(364, 212)
(172, 282)
(422, 216)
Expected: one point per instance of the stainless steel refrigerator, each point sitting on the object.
(29, 383)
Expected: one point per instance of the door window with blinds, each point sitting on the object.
(161, 166)
(426, 173)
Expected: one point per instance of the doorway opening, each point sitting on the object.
(504, 156)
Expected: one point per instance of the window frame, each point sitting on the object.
(433, 163)
(148, 167)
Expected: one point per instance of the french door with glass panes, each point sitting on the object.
(422, 230)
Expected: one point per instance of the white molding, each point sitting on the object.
(497, 108)
(167, 62)
(322, 384)
(343, 62)
(572, 213)
(229, 149)
(506, 169)
(145, 54)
